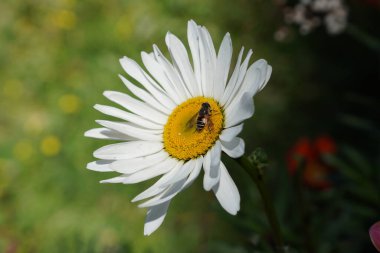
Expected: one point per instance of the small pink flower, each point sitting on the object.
(374, 234)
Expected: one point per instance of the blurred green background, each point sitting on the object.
(56, 59)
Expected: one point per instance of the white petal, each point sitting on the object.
(209, 43)
(150, 192)
(176, 85)
(181, 60)
(107, 134)
(157, 71)
(130, 166)
(269, 73)
(173, 189)
(157, 188)
(222, 66)
(137, 132)
(155, 217)
(163, 182)
(232, 82)
(146, 97)
(234, 148)
(127, 150)
(194, 173)
(150, 172)
(100, 165)
(229, 133)
(208, 62)
(239, 110)
(114, 180)
(184, 172)
(167, 195)
(211, 166)
(193, 39)
(256, 78)
(136, 106)
(227, 192)
(133, 118)
(135, 71)
(238, 84)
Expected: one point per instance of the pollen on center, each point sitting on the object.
(185, 135)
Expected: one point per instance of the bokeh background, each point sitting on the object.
(56, 59)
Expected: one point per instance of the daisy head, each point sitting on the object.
(183, 114)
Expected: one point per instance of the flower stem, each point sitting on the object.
(254, 168)
(304, 207)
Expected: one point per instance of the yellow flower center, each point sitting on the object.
(193, 128)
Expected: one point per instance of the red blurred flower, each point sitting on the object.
(374, 234)
(316, 171)
(325, 145)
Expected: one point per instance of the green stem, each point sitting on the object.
(364, 38)
(304, 207)
(255, 172)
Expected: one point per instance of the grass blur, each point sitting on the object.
(56, 59)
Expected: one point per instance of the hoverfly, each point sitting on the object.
(201, 118)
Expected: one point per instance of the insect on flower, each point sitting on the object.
(201, 118)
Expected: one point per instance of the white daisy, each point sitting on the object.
(165, 132)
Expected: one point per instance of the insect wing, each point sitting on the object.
(191, 123)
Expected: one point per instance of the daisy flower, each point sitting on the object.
(180, 119)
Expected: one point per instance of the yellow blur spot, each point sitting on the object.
(69, 103)
(23, 150)
(50, 145)
(69, 2)
(64, 19)
(12, 89)
(108, 238)
(125, 27)
(35, 122)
